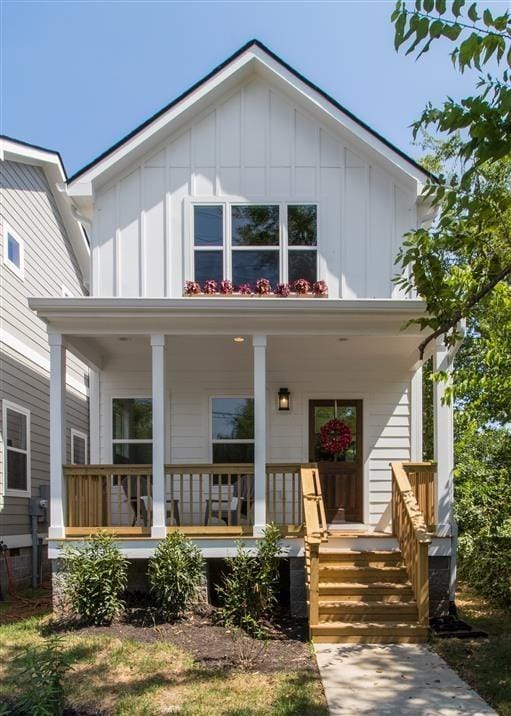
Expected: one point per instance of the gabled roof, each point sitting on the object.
(254, 50)
(51, 163)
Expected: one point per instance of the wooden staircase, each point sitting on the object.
(365, 597)
(361, 594)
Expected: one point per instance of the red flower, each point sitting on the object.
(210, 287)
(192, 288)
(226, 287)
(301, 286)
(335, 437)
(263, 286)
(245, 289)
(282, 289)
(320, 288)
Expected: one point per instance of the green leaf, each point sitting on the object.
(452, 32)
(487, 18)
(429, 5)
(472, 12)
(399, 30)
(436, 28)
(456, 7)
(440, 6)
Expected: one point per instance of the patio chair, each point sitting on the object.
(229, 508)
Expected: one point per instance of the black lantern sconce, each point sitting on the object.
(284, 399)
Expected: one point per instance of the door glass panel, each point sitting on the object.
(346, 413)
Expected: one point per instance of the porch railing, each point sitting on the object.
(315, 532)
(412, 534)
(422, 480)
(199, 498)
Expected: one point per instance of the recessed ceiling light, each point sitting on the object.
(124, 338)
(342, 340)
(239, 339)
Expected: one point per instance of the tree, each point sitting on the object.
(460, 260)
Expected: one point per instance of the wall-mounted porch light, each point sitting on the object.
(284, 399)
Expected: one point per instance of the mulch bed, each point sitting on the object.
(217, 648)
(18, 607)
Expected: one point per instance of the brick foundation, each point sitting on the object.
(439, 582)
(20, 564)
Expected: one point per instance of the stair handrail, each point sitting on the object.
(315, 532)
(411, 531)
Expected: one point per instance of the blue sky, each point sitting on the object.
(77, 76)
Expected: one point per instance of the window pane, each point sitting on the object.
(208, 225)
(233, 452)
(208, 265)
(248, 266)
(13, 251)
(132, 418)
(255, 225)
(78, 450)
(16, 429)
(133, 453)
(302, 264)
(302, 225)
(16, 470)
(233, 418)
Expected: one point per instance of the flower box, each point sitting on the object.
(262, 289)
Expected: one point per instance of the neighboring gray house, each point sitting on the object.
(43, 252)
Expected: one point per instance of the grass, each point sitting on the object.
(126, 678)
(484, 663)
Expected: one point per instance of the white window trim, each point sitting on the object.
(124, 441)
(227, 248)
(7, 405)
(212, 441)
(18, 270)
(79, 434)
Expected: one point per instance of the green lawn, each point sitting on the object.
(484, 663)
(125, 677)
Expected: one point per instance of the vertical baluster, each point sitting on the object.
(150, 499)
(201, 500)
(190, 477)
(284, 505)
(181, 500)
(138, 496)
(172, 516)
(219, 516)
(210, 505)
(108, 479)
(229, 498)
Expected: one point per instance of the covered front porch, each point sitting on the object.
(187, 429)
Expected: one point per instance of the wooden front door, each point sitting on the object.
(341, 476)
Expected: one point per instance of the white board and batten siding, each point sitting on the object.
(324, 368)
(255, 145)
(29, 209)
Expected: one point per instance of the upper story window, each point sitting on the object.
(16, 422)
(13, 251)
(246, 242)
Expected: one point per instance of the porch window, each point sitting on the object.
(232, 422)
(78, 447)
(16, 421)
(245, 242)
(132, 431)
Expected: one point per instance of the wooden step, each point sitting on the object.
(346, 573)
(364, 592)
(346, 611)
(368, 632)
(350, 556)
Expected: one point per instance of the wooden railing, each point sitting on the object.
(315, 533)
(412, 534)
(117, 497)
(422, 479)
(200, 498)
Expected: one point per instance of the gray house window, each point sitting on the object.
(132, 431)
(16, 425)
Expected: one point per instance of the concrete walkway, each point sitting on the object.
(393, 680)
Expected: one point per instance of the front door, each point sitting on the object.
(341, 473)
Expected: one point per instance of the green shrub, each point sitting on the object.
(95, 576)
(42, 679)
(248, 590)
(175, 574)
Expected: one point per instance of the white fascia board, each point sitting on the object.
(51, 164)
(253, 54)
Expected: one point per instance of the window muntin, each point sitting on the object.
(132, 431)
(273, 241)
(78, 447)
(16, 421)
(13, 251)
(232, 429)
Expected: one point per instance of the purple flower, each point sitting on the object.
(210, 287)
(282, 289)
(301, 286)
(263, 286)
(245, 289)
(320, 288)
(226, 287)
(192, 288)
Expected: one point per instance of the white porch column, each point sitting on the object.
(94, 454)
(259, 344)
(158, 529)
(444, 452)
(416, 451)
(57, 434)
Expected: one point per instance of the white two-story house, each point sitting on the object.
(247, 352)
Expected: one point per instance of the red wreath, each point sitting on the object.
(335, 437)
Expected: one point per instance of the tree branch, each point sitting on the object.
(462, 313)
(466, 26)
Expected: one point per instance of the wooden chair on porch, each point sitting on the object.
(231, 506)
